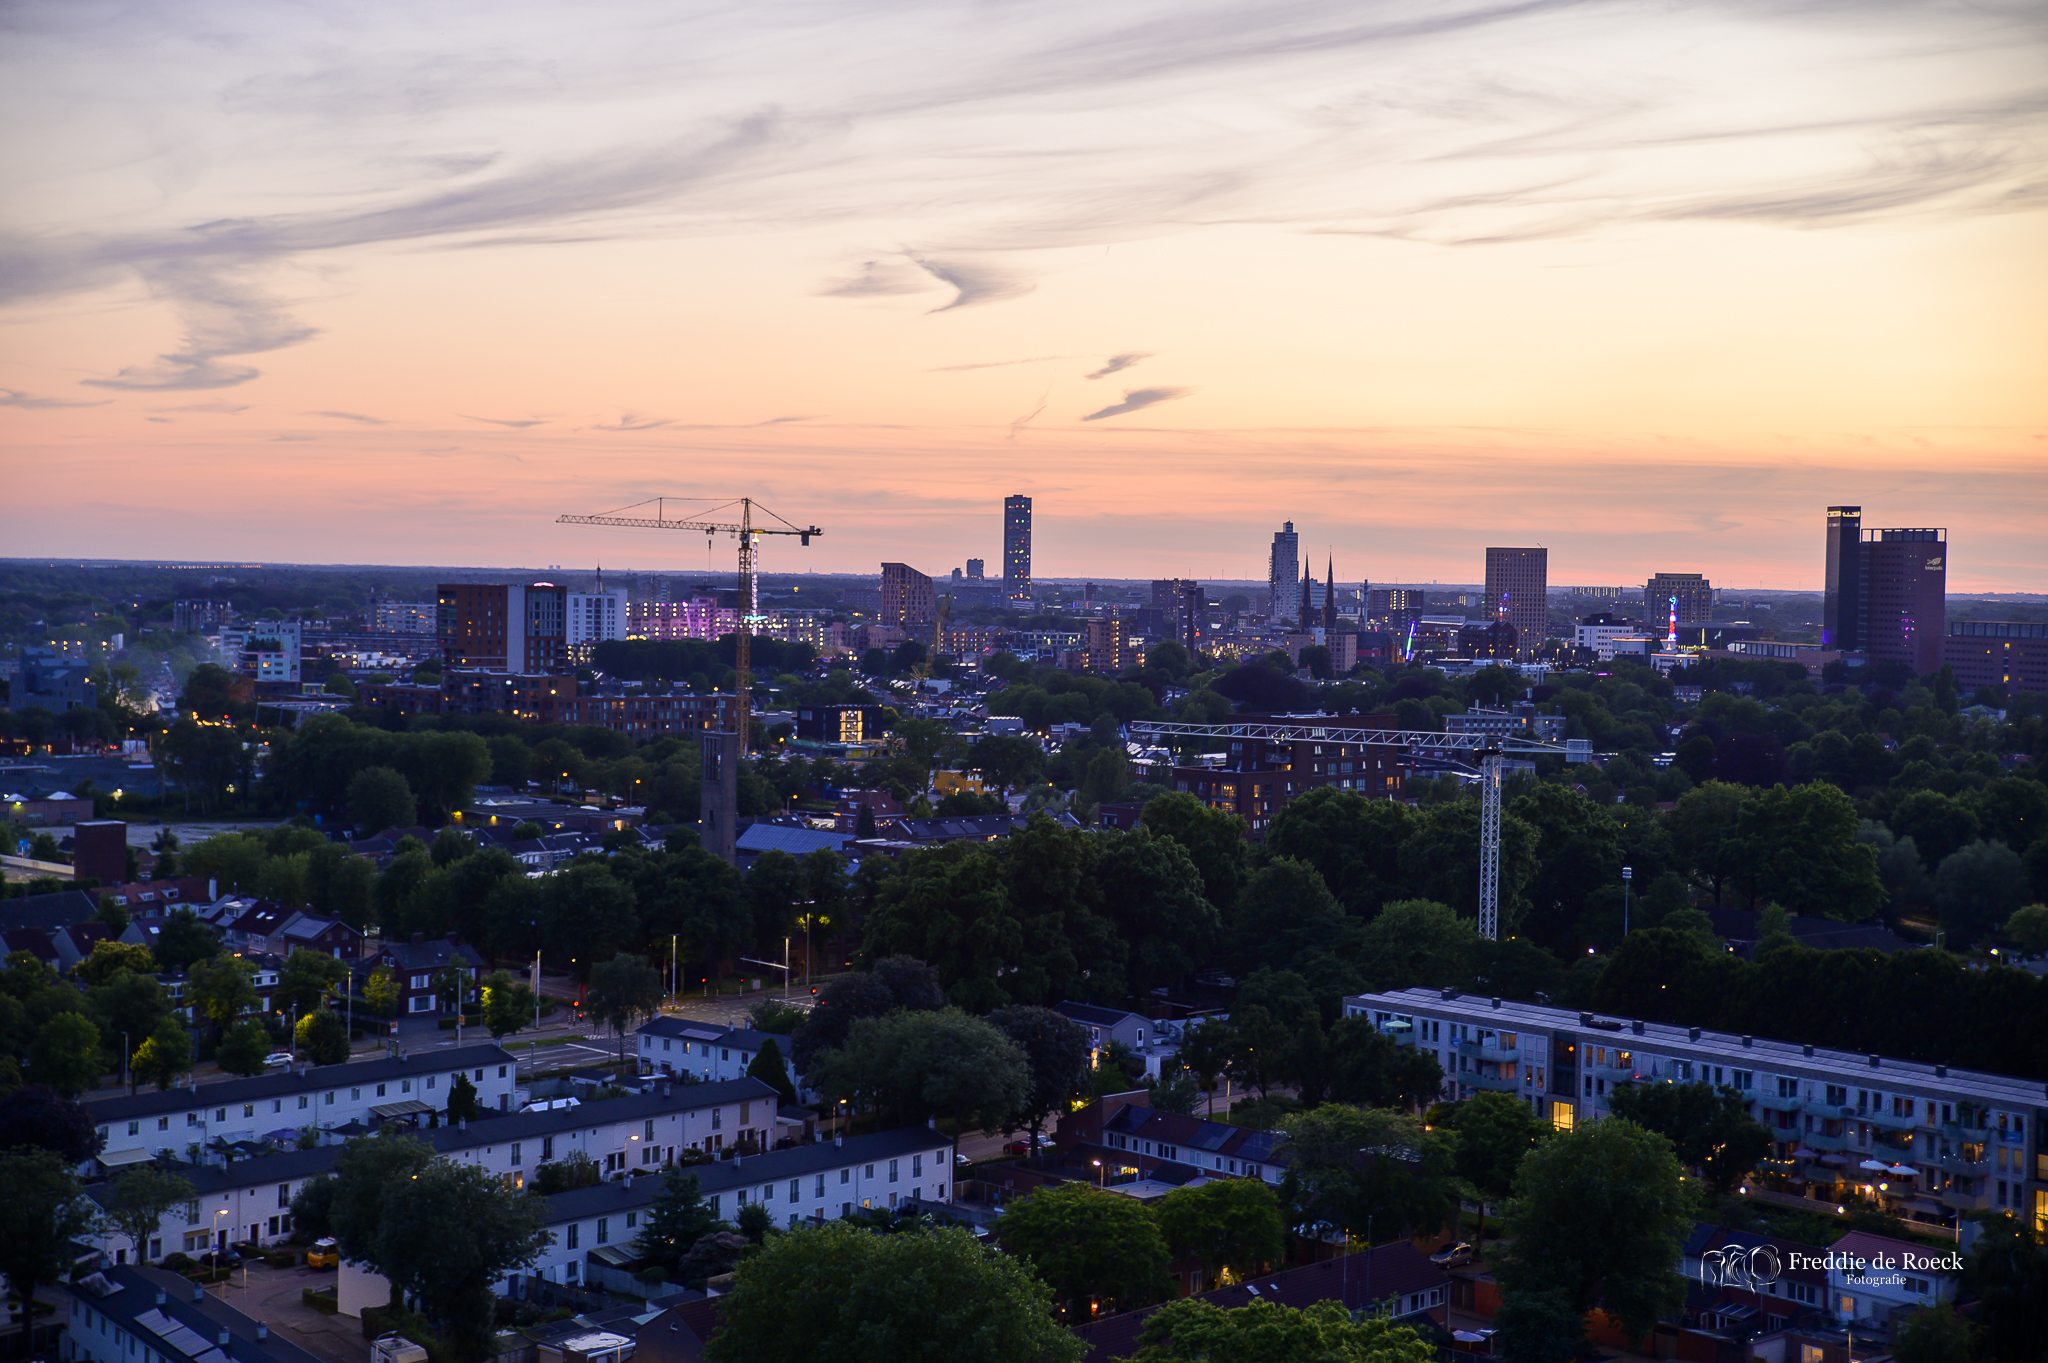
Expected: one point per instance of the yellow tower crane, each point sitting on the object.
(744, 530)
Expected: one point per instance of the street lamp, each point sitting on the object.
(1627, 874)
(1102, 1175)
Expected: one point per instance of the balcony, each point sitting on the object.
(1958, 1200)
(1816, 1140)
(1834, 1112)
(1479, 1050)
(1891, 1121)
(1491, 1083)
(1772, 1102)
(1969, 1168)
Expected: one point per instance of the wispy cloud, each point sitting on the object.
(1137, 399)
(1116, 364)
(990, 364)
(499, 421)
(880, 279)
(632, 422)
(974, 282)
(352, 416)
(223, 318)
(14, 397)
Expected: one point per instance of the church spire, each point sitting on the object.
(1330, 594)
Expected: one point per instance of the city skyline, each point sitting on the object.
(290, 286)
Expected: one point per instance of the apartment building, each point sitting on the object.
(816, 1182)
(250, 1200)
(707, 1052)
(138, 1126)
(1260, 775)
(1927, 1141)
(148, 1315)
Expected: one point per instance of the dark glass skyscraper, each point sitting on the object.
(1017, 548)
(1842, 590)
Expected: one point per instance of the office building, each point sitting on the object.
(1885, 595)
(2008, 654)
(1841, 589)
(403, 617)
(699, 617)
(1017, 548)
(1904, 617)
(1283, 573)
(1689, 593)
(594, 617)
(976, 570)
(1952, 1141)
(908, 601)
(1517, 587)
(501, 628)
(1181, 608)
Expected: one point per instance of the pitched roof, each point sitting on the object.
(1094, 1015)
(47, 911)
(283, 1083)
(764, 837)
(1385, 1271)
(182, 1324)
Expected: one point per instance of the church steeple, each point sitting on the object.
(1306, 619)
(1330, 594)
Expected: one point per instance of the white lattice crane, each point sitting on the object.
(744, 530)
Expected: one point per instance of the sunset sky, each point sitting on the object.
(1650, 284)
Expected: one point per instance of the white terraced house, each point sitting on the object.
(141, 1125)
(249, 1200)
(1928, 1141)
(814, 1183)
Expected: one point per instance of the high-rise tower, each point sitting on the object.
(1842, 589)
(1517, 588)
(1017, 548)
(1283, 575)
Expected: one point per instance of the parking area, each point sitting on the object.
(272, 1295)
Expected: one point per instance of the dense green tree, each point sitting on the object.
(184, 939)
(2007, 1272)
(1227, 1225)
(1937, 1335)
(922, 1064)
(623, 992)
(323, 1038)
(306, 979)
(43, 1212)
(243, 1048)
(1938, 824)
(1440, 860)
(1799, 847)
(1192, 1331)
(1369, 1069)
(1598, 1216)
(1977, 888)
(2027, 929)
(1353, 842)
(1709, 1129)
(1214, 840)
(363, 1175)
(66, 1054)
(1495, 1132)
(2013, 810)
(1286, 919)
(109, 957)
(141, 1196)
(1152, 894)
(1055, 1051)
(446, 1236)
(1353, 1165)
(894, 982)
(1096, 1249)
(676, 1219)
(769, 1067)
(838, 1292)
(1579, 852)
(1415, 942)
(1539, 1326)
(381, 798)
(37, 1115)
(222, 988)
(163, 1055)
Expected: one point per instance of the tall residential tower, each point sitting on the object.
(1017, 548)
(1517, 587)
(1283, 575)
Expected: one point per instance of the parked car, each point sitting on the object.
(276, 1058)
(1022, 1145)
(220, 1258)
(326, 1253)
(1455, 1255)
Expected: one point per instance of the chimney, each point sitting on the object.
(262, 1331)
(462, 1123)
(1806, 1051)
(1745, 1041)
(931, 1123)
(838, 1139)
(225, 1339)
(199, 1292)
(1693, 1034)
(160, 1298)
(1636, 1026)
(1496, 1003)
(1941, 1071)
(1874, 1062)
